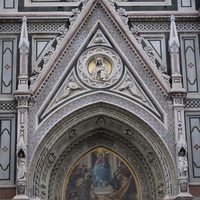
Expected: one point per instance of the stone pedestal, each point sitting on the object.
(21, 189)
(181, 196)
(21, 197)
(184, 196)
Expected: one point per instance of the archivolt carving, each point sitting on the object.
(129, 153)
(86, 122)
(125, 127)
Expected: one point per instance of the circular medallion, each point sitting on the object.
(99, 67)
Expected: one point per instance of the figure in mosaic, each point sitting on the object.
(101, 172)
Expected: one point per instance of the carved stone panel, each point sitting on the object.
(99, 67)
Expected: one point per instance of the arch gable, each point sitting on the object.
(100, 129)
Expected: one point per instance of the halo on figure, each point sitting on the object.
(92, 64)
(101, 151)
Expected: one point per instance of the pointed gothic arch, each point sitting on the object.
(106, 126)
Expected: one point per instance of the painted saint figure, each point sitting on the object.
(101, 172)
(99, 72)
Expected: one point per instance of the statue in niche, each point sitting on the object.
(69, 87)
(99, 72)
(183, 164)
(131, 87)
(21, 165)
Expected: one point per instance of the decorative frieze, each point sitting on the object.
(32, 27)
(156, 27)
(192, 103)
(8, 105)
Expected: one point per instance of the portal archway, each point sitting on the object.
(121, 133)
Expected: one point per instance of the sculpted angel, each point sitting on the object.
(69, 87)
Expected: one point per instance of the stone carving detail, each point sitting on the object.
(151, 157)
(129, 133)
(161, 189)
(61, 34)
(136, 34)
(21, 165)
(101, 121)
(144, 115)
(84, 2)
(183, 163)
(164, 74)
(51, 158)
(99, 67)
(183, 185)
(72, 134)
(99, 72)
(99, 38)
(112, 3)
(122, 13)
(48, 55)
(75, 13)
(43, 190)
(150, 53)
(145, 27)
(130, 86)
(70, 86)
(36, 72)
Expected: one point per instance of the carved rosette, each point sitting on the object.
(99, 67)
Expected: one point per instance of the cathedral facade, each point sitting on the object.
(99, 100)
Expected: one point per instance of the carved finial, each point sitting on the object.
(173, 40)
(24, 43)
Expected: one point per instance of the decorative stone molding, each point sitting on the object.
(109, 144)
(75, 13)
(8, 105)
(122, 13)
(192, 103)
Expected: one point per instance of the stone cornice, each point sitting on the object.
(130, 14)
(163, 14)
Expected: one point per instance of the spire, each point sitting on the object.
(174, 46)
(173, 40)
(24, 49)
(24, 43)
